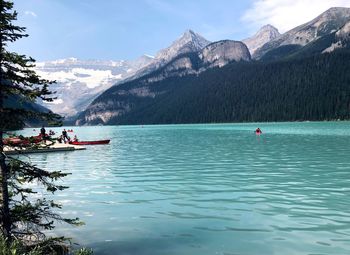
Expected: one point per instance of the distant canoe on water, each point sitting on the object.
(90, 142)
(258, 131)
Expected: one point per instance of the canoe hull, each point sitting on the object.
(90, 142)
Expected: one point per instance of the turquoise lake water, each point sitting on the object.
(209, 189)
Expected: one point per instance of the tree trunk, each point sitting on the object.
(5, 219)
(4, 195)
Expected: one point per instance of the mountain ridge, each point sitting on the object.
(292, 90)
(330, 20)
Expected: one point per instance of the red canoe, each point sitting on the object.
(90, 142)
(24, 141)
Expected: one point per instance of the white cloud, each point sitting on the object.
(287, 14)
(31, 13)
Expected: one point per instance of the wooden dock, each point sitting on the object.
(57, 147)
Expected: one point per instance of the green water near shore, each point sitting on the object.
(209, 189)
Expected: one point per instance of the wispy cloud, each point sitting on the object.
(31, 13)
(287, 14)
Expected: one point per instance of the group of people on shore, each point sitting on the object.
(65, 138)
(62, 138)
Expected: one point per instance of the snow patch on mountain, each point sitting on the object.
(80, 81)
(56, 101)
(90, 77)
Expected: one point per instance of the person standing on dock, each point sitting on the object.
(65, 136)
(43, 133)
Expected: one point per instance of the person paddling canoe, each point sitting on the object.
(258, 131)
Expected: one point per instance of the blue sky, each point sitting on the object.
(126, 29)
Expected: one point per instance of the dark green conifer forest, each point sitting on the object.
(294, 89)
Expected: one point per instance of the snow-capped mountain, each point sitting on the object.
(264, 35)
(80, 81)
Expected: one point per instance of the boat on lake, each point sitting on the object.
(90, 142)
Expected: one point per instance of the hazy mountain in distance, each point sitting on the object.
(80, 81)
(264, 35)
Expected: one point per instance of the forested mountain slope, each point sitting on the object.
(314, 88)
(121, 99)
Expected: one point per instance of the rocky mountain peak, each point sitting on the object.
(188, 42)
(326, 23)
(189, 33)
(264, 35)
(268, 29)
(222, 52)
(196, 39)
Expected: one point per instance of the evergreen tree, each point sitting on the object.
(21, 217)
